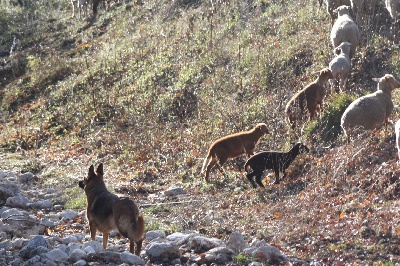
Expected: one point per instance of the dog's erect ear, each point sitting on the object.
(99, 170)
(91, 169)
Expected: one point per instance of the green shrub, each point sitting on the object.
(327, 128)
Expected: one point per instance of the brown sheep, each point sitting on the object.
(312, 97)
(232, 146)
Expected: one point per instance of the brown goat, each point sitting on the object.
(312, 97)
(232, 146)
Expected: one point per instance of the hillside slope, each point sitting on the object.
(146, 86)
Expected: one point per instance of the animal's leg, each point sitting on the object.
(343, 83)
(73, 8)
(321, 105)
(332, 87)
(105, 240)
(312, 113)
(138, 247)
(249, 150)
(250, 178)
(277, 181)
(95, 5)
(258, 180)
(284, 175)
(221, 170)
(87, 10)
(132, 246)
(93, 229)
(209, 166)
(222, 160)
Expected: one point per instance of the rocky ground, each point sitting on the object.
(36, 230)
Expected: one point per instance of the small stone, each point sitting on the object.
(150, 235)
(69, 214)
(58, 207)
(80, 263)
(17, 243)
(34, 261)
(46, 222)
(17, 262)
(2, 175)
(131, 259)
(77, 255)
(174, 192)
(97, 246)
(52, 263)
(26, 177)
(236, 242)
(4, 244)
(42, 205)
(56, 255)
(89, 250)
(69, 239)
(37, 251)
(158, 252)
(18, 201)
(71, 247)
(255, 263)
(35, 242)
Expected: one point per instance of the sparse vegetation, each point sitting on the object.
(148, 85)
(77, 200)
(327, 127)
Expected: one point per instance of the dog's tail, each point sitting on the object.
(137, 235)
(140, 225)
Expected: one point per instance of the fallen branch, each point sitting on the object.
(168, 203)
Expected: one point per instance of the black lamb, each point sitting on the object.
(276, 160)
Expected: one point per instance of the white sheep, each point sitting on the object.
(397, 130)
(331, 5)
(341, 65)
(364, 9)
(393, 6)
(345, 30)
(81, 5)
(370, 111)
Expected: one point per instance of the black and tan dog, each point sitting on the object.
(106, 211)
